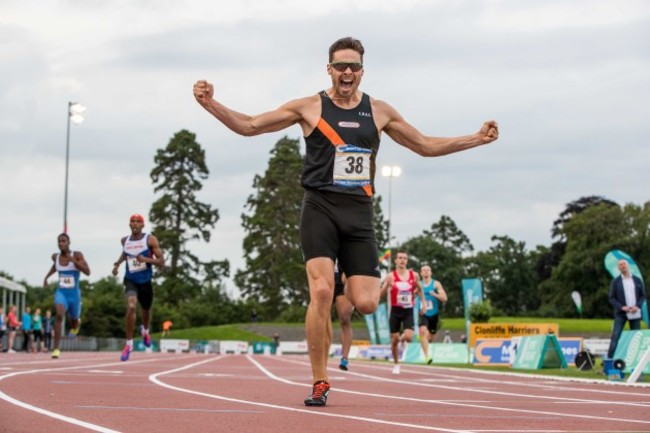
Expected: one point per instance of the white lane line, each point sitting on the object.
(55, 415)
(548, 379)
(154, 379)
(479, 390)
(170, 409)
(442, 402)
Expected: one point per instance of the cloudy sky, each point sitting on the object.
(568, 83)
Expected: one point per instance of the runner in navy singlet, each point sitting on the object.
(141, 252)
(342, 127)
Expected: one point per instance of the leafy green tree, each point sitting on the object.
(590, 235)
(508, 274)
(275, 273)
(103, 308)
(550, 259)
(637, 241)
(379, 223)
(381, 228)
(179, 217)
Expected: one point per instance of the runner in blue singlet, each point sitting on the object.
(67, 297)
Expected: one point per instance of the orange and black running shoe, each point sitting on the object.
(318, 395)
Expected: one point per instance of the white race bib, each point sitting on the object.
(66, 282)
(351, 166)
(405, 299)
(134, 265)
(429, 304)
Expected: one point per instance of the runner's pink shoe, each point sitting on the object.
(145, 337)
(125, 353)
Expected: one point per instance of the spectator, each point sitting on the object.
(626, 294)
(37, 330)
(167, 328)
(3, 325)
(12, 325)
(26, 327)
(48, 327)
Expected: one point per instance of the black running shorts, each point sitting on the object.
(400, 316)
(144, 292)
(431, 322)
(339, 287)
(337, 225)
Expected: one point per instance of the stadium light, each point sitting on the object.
(76, 115)
(390, 171)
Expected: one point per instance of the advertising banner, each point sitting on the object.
(509, 330)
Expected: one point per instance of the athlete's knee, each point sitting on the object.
(321, 293)
(367, 305)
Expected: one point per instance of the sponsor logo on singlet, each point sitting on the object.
(349, 124)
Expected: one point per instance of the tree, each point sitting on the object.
(508, 275)
(103, 308)
(575, 208)
(590, 235)
(379, 223)
(178, 217)
(551, 258)
(275, 274)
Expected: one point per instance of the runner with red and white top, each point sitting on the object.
(404, 285)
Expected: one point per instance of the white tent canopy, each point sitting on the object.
(13, 293)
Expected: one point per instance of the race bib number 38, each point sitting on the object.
(351, 166)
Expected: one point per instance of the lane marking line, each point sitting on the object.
(404, 382)
(154, 379)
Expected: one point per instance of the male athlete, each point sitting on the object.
(342, 127)
(67, 297)
(434, 294)
(140, 251)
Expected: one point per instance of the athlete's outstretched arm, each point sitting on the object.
(243, 124)
(405, 134)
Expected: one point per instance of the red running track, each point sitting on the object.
(156, 392)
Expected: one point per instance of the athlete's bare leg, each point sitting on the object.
(424, 341)
(58, 324)
(146, 318)
(318, 323)
(363, 291)
(344, 311)
(131, 302)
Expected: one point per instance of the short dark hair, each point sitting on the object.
(66, 236)
(348, 43)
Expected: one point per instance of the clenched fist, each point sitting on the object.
(203, 92)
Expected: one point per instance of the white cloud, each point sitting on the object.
(567, 82)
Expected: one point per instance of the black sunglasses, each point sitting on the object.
(343, 66)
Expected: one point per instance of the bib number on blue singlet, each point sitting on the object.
(66, 282)
(351, 166)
